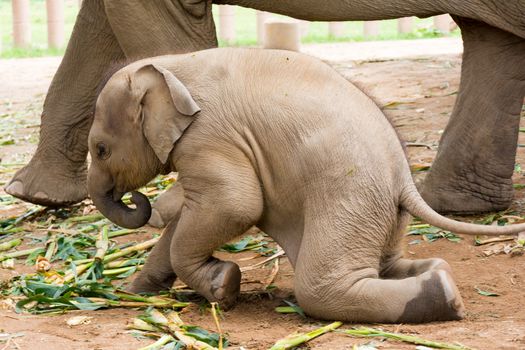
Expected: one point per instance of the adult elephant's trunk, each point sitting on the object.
(102, 192)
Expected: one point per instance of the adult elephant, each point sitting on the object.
(472, 171)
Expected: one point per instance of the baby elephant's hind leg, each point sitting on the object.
(331, 284)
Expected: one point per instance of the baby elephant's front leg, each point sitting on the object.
(220, 204)
(157, 274)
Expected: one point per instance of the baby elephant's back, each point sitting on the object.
(309, 122)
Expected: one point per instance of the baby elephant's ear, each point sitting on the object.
(167, 107)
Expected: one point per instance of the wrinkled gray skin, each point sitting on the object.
(474, 165)
(278, 140)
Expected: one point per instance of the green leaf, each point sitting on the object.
(203, 335)
(296, 309)
(486, 293)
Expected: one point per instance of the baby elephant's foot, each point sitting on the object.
(146, 283)
(438, 300)
(225, 284)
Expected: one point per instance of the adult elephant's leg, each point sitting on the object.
(474, 165)
(56, 175)
(152, 28)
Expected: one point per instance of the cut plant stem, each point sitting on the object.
(114, 256)
(162, 303)
(295, 340)
(480, 241)
(122, 232)
(50, 250)
(416, 226)
(102, 244)
(214, 307)
(18, 254)
(136, 248)
(372, 332)
(154, 300)
(165, 339)
(254, 266)
(175, 323)
(70, 275)
(124, 263)
(10, 244)
(118, 271)
(85, 218)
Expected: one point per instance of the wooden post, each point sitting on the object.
(21, 23)
(336, 29)
(304, 28)
(55, 23)
(404, 25)
(370, 28)
(282, 34)
(227, 23)
(442, 23)
(262, 17)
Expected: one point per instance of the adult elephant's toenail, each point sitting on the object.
(15, 188)
(41, 196)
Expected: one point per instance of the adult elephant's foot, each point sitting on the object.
(473, 169)
(467, 193)
(47, 184)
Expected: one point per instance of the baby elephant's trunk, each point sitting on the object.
(412, 201)
(102, 192)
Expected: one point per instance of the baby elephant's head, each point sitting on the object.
(139, 115)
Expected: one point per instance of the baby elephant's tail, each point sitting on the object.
(412, 201)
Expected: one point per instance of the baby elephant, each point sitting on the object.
(278, 140)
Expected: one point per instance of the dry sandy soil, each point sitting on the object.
(426, 89)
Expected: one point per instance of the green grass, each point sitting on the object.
(244, 21)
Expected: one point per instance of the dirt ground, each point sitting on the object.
(418, 95)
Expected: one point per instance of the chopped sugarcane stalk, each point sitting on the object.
(157, 302)
(10, 244)
(121, 253)
(18, 254)
(85, 218)
(295, 340)
(7, 231)
(50, 250)
(416, 226)
(151, 300)
(120, 270)
(214, 307)
(102, 244)
(175, 323)
(143, 326)
(165, 339)
(70, 275)
(123, 263)
(43, 263)
(136, 248)
(372, 332)
(122, 232)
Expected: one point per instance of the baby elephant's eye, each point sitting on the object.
(102, 150)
